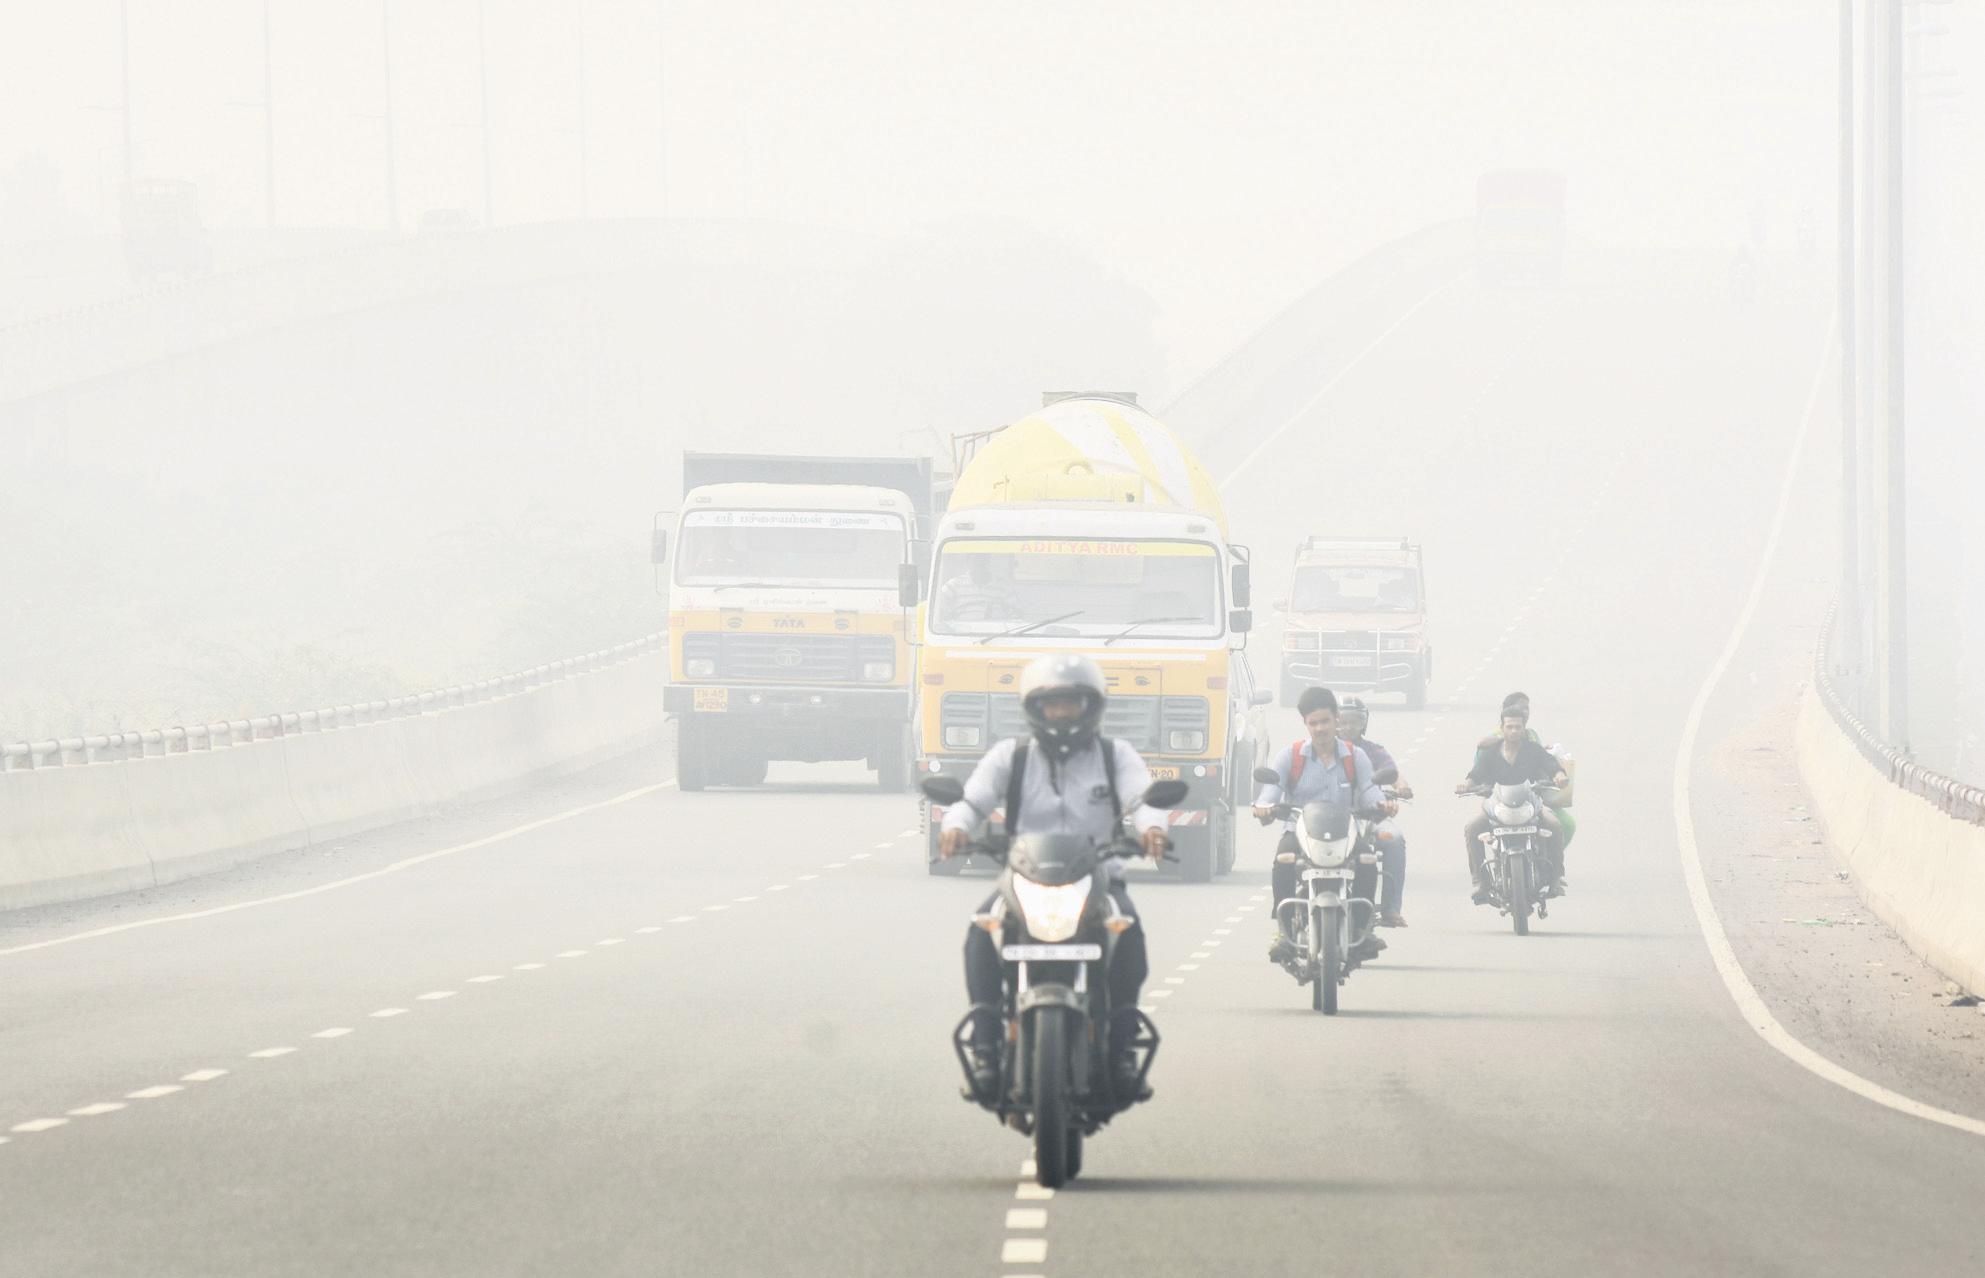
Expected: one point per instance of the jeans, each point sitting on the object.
(985, 971)
(1392, 865)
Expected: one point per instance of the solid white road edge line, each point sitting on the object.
(380, 873)
(1749, 1005)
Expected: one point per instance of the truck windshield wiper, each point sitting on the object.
(1030, 627)
(1146, 621)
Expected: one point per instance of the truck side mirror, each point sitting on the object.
(1242, 587)
(1280, 605)
(658, 549)
(909, 585)
(1240, 620)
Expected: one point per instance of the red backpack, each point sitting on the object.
(1297, 762)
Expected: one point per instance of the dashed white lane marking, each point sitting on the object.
(863, 856)
(909, 834)
(435, 996)
(1749, 1004)
(526, 967)
(646, 930)
(1157, 993)
(714, 908)
(777, 887)
(837, 865)
(1190, 967)
(386, 1012)
(1222, 931)
(884, 847)
(380, 873)
(1023, 1251)
(618, 940)
(270, 1053)
(39, 1125)
(743, 900)
(1231, 918)
(205, 1075)
(336, 1031)
(804, 877)
(568, 954)
(153, 1093)
(1028, 1191)
(683, 918)
(484, 979)
(101, 1107)
(1209, 944)
(1175, 980)
(1200, 954)
(1026, 1218)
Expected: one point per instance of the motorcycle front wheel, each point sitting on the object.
(1330, 961)
(1051, 1125)
(1519, 894)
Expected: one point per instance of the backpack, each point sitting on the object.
(1019, 774)
(1297, 763)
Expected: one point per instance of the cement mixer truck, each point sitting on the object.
(1088, 527)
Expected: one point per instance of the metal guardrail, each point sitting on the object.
(1954, 797)
(121, 747)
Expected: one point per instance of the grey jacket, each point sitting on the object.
(1067, 798)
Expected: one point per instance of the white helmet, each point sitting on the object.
(1063, 674)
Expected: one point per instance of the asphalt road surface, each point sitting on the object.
(641, 1032)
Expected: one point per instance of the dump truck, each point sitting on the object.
(1089, 528)
(786, 637)
(1356, 620)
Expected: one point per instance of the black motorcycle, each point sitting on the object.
(1515, 857)
(1057, 928)
(1331, 915)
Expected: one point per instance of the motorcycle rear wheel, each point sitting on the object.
(1051, 1125)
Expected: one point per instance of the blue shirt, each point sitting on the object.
(1323, 782)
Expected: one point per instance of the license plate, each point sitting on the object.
(712, 699)
(1350, 663)
(1518, 829)
(1051, 953)
(1321, 874)
(1161, 773)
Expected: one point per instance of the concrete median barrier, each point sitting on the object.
(1919, 868)
(89, 818)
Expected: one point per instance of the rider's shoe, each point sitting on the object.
(1392, 918)
(1557, 887)
(1280, 948)
(1368, 949)
(982, 1064)
(1123, 1078)
(1483, 892)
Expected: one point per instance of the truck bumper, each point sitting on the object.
(717, 702)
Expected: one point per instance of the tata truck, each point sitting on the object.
(1356, 620)
(787, 640)
(1089, 528)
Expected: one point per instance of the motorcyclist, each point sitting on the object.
(1323, 769)
(1514, 759)
(1066, 787)
(1520, 703)
(1353, 718)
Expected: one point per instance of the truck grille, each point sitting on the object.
(1132, 719)
(763, 658)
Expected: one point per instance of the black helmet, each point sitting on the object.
(1354, 716)
(1058, 674)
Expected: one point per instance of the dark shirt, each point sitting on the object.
(1382, 760)
(1533, 763)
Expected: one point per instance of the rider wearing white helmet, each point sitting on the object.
(1066, 786)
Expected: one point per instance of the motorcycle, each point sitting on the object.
(1515, 857)
(1327, 920)
(1057, 928)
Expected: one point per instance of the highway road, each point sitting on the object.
(615, 1029)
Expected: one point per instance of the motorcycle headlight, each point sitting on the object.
(1508, 815)
(1051, 913)
(878, 671)
(1185, 740)
(699, 667)
(963, 737)
(1327, 853)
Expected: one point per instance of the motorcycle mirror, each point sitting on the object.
(1165, 794)
(1268, 776)
(943, 791)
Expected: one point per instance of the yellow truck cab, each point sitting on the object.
(1087, 528)
(1356, 620)
(786, 636)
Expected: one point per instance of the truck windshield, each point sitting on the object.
(1355, 588)
(789, 548)
(991, 585)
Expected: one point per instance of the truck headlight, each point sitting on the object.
(1404, 641)
(964, 737)
(1299, 640)
(1185, 740)
(878, 671)
(699, 667)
